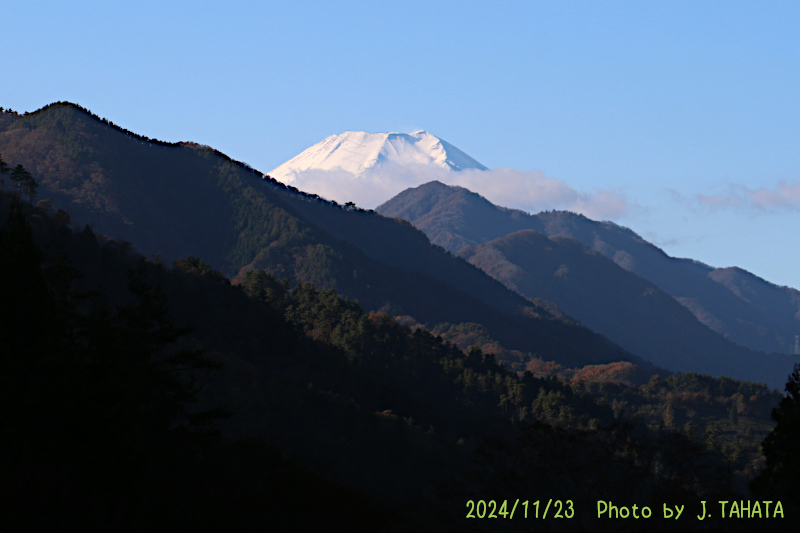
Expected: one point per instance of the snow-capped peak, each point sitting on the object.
(357, 152)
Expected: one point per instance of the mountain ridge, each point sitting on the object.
(623, 306)
(185, 199)
(450, 218)
(678, 333)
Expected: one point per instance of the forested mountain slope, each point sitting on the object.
(389, 427)
(185, 199)
(744, 308)
(621, 305)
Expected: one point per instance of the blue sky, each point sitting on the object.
(688, 111)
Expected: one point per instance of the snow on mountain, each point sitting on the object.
(370, 168)
(357, 152)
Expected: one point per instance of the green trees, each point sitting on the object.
(125, 357)
(781, 477)
(21, 178)
(96, 396)
(99, 431)
(96, 400)
(3, 170)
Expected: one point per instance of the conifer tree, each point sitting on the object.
(30, 188)
(3, 170)
(22, 178)
(781, 475)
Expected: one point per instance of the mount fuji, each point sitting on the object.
(370, 168)
(359, 152)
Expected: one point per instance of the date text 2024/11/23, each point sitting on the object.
(524, 509)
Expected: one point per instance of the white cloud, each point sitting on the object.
(529, 191)
(785, 195)
(367, 191)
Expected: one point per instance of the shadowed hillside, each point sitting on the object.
(116, 370)
(185, 199)
(619, 304)
(742, 307)
(383, 427)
